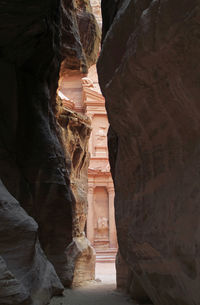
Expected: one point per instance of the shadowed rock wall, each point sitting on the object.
(149, 75)
(80, 36)
(24, 269)
(35, 37)
(32, 165)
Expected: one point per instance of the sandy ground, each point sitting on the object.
(101, 292)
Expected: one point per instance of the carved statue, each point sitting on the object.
(101, 137)
(102, 223)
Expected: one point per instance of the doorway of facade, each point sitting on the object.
(101, 218)
(101, 232)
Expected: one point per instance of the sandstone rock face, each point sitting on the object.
(122, 272)
(31, 157)
(80, 36)
(89, 31)
(24, 269)
(81, 262)
(128, 281)
(76, 129)
(96, 8)
(35, 36)
(152, 95)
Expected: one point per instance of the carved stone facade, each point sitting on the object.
(82, 94)
(100, 223)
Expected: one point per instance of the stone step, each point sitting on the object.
(105, 261)
(105, 257)
(106, 250)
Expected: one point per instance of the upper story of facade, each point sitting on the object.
(82, 94)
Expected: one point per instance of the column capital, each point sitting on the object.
(111, 189)
(90, 188)
(91, 115)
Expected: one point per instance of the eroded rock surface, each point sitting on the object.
(31, 157)
(149, 75)
(76, 129)
(35, 37)
(24, 269)
(96, 8)
(81, 262)
(80, 36)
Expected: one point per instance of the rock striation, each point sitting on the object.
(152, 98)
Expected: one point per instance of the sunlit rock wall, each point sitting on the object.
(149, 74)
(76, 129)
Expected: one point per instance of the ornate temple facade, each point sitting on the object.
(100, 223)
(82, 94)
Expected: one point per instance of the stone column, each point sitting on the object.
(90, 144)
(112, 226)
(90, 216)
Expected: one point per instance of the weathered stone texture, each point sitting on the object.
(129, 282)
(122, 272)
(24, 269)
(76, 129)
(151, 87)
(96, 9)
(80, 35)
(81, 262)
(31, 157)
(35, 36)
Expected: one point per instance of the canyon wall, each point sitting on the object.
(35, 194)
(149, 75)
(76, 129)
